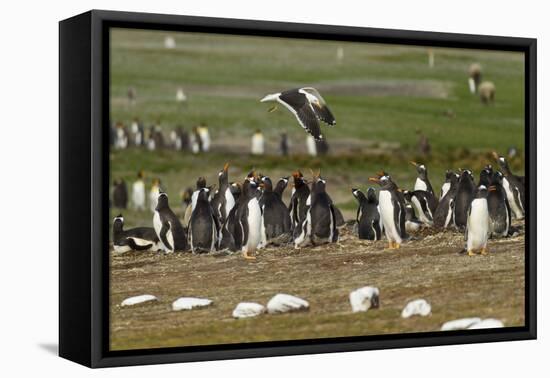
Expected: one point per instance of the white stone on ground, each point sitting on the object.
(248, 310)
(286, 303)
(487, 323)
(459, 324)
(364, 298)
(138, 299)
(189, 303)
(417, 307)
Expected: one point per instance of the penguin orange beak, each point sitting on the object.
(381, 173)
(226, 167)
(374, 179)
(296, 174)
(495, 155)
(414, 163)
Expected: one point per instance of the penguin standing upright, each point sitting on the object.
(422, 182)
(223, 201)
(319, 227)
(477, 226)
(120, 194)
(443, 216)
(486, 175)
(447, 183)
(368, 217)
(392, 211)
(138, 192)
(257, 143)
(500, 215)
(154, 194)
(168, 227)
(203, 225)
(281, 186)
(248, 220)
(235, 188)
(463, 198)
(135, 239)
(276, 226)
(514, 187)
(298, 200)
(201, 183)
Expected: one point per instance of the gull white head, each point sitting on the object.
(270, 97)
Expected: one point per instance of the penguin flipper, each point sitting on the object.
(163, 231)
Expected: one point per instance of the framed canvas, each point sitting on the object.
(234, 188)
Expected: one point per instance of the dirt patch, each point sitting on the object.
(427, 267)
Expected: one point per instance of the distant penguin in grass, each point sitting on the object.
(223, 201)
(168, 227)
(281, 186)
(154, 194)
(477, 226)
(514, 187)
(443, 217)
(368, 217)
(392, 211)
(487, 91)
(298, 200)
(138, 192)
(424, 205)
(463, 198)
(203, 225)
(474, 77)
(500, 215)
(276, 223)
(120, 194)
(135, 239)
(319, 226)
(422, 182)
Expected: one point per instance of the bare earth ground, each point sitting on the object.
(427, 267)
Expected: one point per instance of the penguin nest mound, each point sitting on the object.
(429, 266)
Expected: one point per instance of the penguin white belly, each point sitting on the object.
(386, 214)
(254, 225)
(194, 197)
(138, 195)
(121, 248)
(420, 184)
(444, 189)
(153, 199)
(449, 216)
(516, 211)
(419, 212)
(478, 225)
(157, 224)
(229, 201)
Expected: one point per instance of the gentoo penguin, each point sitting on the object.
(423, 203)
(235, 188)
(201, 183)
(319, 227)
(168, 227)
(281, 186)
(392, 211)
(120, 194)
(477, 226)
(298, 200)
(245, 220)
(203, 226)
(447, 184)
(257, 146)
(422, 182)
(412, 224)
(500, 215)
(474, 77)
(368, 217)
(138, 192)
(514, 187)
(154, 194)
(443, 216)
(135, 239)
(223, 201)
(463, 198)
(486, 175)
(276, 226)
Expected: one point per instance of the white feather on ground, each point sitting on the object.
(189, 303)
(459, 324)
(248, 310)
(362, 299)
(286, 303)
(138, 299)
(417, 307)
(487, 323)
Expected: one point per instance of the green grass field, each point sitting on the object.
(380, 95)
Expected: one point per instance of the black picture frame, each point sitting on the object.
(83, 182)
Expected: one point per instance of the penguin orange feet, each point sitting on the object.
(397, 245)
(247, 256)
(470, 252)
(484, 251)
(391, 245)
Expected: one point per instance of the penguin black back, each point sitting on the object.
(322, 214)
(463, 198)
(168, 226)
(276, 218)
(368, 217)
(300, 194)
(203, 226)
(443, 216)
(500, 214)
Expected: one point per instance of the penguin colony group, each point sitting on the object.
(250, 215)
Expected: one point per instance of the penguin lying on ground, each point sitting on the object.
(443, 216)
(368, 217)
(392, 211)
(477, 227)
(424, 204)
(500, 215)
(276, 224)
(168, 227)
(463, 198)
(223, 201)
(203, 225)
(514, 187)
(135, 239)
(422, 182)
(412, 224)
(319, 226)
